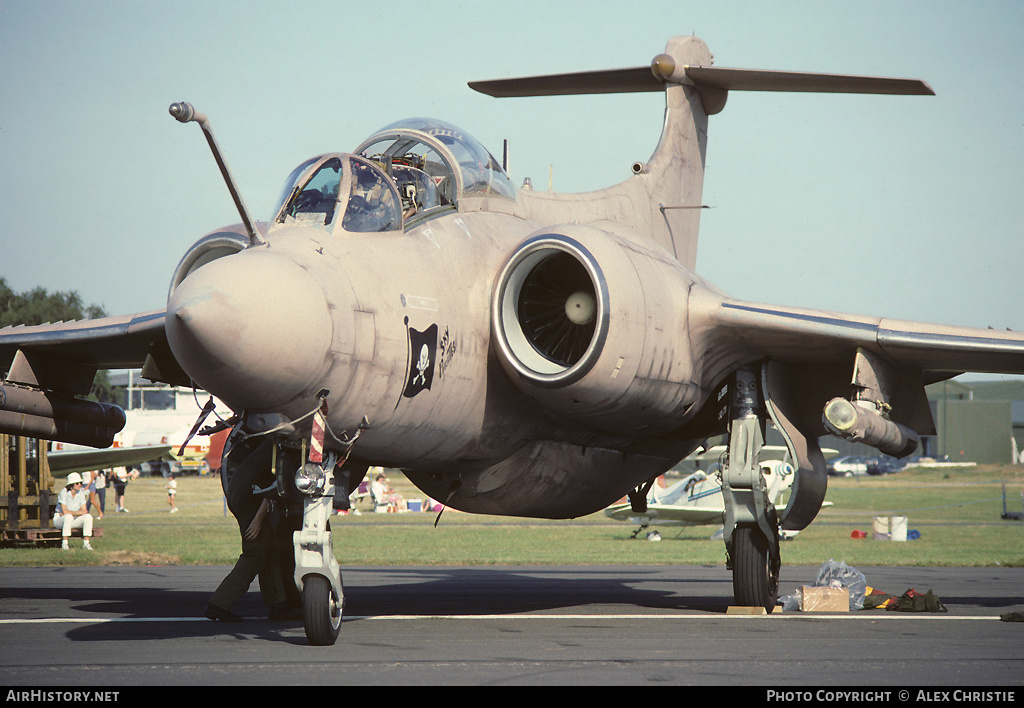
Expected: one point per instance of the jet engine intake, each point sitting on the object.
(224, 242)
(591, 324)
(551, 310)
(856, 423)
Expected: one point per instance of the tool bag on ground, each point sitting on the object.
(913, 601)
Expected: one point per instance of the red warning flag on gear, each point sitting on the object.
(316, 447)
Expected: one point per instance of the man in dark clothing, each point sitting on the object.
(257, 537)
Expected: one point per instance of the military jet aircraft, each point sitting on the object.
(513, 351)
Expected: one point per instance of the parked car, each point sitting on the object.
(884, 465)
(160, 468)
(848, 465)
(166, 468)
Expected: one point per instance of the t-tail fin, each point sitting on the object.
(664, 194)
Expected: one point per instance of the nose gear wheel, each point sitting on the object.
(321, 611)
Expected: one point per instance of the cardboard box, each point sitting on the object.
(814, 599)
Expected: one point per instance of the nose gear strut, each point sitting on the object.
(317, 572)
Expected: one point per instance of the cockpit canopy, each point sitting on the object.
(404, 173)
(458, 164)
(320, 189)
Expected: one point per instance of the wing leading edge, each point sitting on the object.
(65, 356)
(800, 335)
(827, 355)
(46, 366)
(67, 461)
(669, 514)
(106, 343)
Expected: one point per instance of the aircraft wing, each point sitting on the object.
(45, 368)
(107, 343)
(803, 335)
(65, 356)
(819, 350)
(677, 515)
(664, 513)
(65, 462)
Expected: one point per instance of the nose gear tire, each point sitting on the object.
(321, 611)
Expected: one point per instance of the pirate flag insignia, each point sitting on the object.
(422, 352)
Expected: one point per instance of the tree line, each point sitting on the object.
(37, 306)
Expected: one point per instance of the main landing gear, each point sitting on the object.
(751, 523)
(779, 392)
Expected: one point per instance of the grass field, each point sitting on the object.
(957, 513)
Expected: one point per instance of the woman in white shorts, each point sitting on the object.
(72, 512)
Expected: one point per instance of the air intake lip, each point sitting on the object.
(210, 247)
(550, 310)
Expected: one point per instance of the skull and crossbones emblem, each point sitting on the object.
(421, 366)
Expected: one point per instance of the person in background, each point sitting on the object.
(121, 479)
(172, 490)
(379, 492)
(97, 487)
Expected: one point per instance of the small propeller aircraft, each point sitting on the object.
(697, 499)
(514, 351)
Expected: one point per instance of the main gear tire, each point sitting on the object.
(755, 574)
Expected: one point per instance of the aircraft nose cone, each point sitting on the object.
(253, 329)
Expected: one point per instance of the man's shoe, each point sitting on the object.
(219, 613)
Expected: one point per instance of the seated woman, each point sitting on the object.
(72, 511)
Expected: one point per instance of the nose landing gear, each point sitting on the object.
(317, 572)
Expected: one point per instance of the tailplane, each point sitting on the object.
(663, 198)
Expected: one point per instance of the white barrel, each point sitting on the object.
(899, 528)
(880, 529)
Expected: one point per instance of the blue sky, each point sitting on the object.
(908, 207)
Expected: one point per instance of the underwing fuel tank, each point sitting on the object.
(855, 423)
(44, 415)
